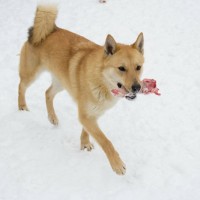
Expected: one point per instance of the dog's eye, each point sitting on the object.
(121, 68)
(138, 68)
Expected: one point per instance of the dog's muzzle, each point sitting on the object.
(130, 95)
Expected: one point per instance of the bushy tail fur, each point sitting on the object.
(44, 24)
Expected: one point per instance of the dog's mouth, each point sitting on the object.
(130, 96)
(123, 92)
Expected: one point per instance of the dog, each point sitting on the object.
(86, 70)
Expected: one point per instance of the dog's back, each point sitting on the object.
(59, 51)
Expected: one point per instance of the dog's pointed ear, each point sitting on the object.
(139, 43)
(110, 45)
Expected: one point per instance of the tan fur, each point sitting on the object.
(86, 70)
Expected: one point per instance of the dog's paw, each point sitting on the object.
(89, 146)
(118, 166)
(53, 119)
(23, 108)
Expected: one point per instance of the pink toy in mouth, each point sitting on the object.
(148, 86)
(119, 92)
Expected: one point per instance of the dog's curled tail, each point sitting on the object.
(44, 24)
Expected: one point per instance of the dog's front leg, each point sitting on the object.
(85, 141)
(91, 126)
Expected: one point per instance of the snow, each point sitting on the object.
(157, 137)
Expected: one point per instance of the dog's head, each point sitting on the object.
(124, 63)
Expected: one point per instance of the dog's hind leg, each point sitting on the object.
(50, 94)
(85, 141)
(28, 70)
(23, 85)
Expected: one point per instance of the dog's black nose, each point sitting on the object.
(136, 88)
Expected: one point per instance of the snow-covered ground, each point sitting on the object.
(157, 137)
